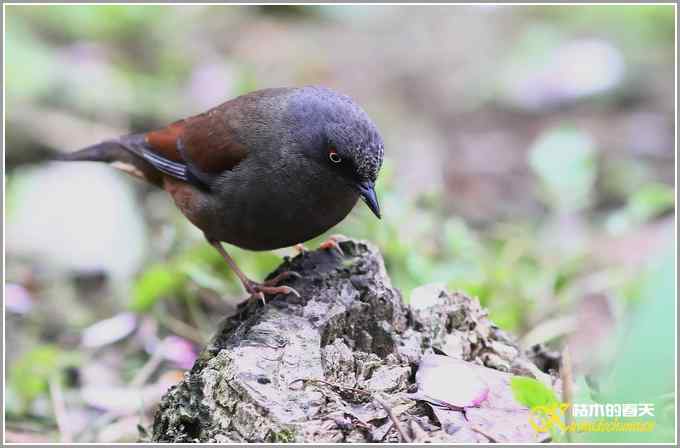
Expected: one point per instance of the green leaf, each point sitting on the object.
(650, 201)
(158, 281)
(29, 375)
(647, 203)
(531, 393)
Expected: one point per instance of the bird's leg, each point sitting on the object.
(253, 288)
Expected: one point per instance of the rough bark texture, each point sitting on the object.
(328, 366)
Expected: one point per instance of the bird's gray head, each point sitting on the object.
(333, 130)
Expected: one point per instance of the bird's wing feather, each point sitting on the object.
(159, 148)
(198, 148)
(174, 169)
(209, 140)
(212, 142)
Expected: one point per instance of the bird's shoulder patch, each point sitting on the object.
(208, 141)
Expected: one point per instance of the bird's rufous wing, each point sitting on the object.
(197, 148)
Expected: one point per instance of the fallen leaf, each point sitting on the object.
(126, 400)
(449, 383)
(473, 403)
(108, 331)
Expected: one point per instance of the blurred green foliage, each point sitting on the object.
(637, 25)
(201, 265)
(157, 281)
(564, 160)
(648, 202)
(145, 75)
(30, 375)
(101, 23)
(644, 368)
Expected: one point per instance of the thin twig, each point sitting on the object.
(479, 431)
(149, 367)
(180, 328)
(59, 408)
(405, 437)
(197, 315)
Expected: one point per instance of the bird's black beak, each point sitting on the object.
(367, 191)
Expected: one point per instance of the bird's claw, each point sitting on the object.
(291, 291)
(259, 290)
(259, 295)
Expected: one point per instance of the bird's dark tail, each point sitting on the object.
(108, 152)
(119, 155)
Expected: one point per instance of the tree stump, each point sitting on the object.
(337, 364)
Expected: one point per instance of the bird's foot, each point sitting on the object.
(332, 243)
(271, 287)
(280, 277)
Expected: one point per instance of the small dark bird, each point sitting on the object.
(269, 169)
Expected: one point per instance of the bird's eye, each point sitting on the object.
(335, 158)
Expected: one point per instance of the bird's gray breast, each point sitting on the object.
(268, 203)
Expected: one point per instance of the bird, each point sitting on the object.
(269, 169)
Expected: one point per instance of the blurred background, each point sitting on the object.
(529, 162)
